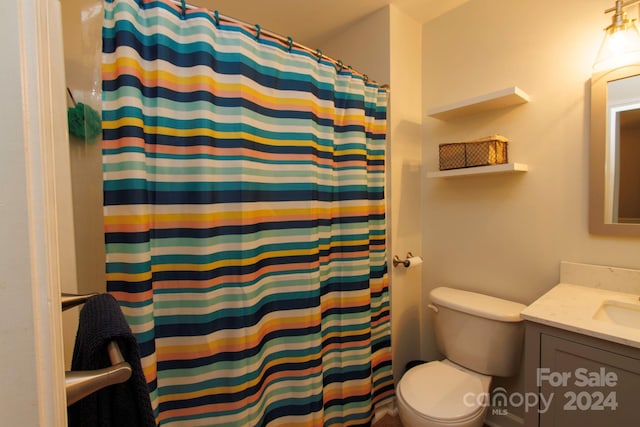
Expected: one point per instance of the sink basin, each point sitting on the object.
(620, 313)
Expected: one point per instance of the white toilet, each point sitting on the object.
(481, 337)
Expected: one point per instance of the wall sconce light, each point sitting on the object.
(621, 44)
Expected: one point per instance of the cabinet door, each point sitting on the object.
(587, 386)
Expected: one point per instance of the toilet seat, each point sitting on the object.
(444, 393)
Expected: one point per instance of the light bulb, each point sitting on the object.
(620, 47)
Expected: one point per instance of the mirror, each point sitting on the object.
(614, 170)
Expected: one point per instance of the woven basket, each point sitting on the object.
(491, 150)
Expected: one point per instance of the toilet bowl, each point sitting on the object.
(480, 337)
(441, 393)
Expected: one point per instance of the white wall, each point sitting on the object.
(506, 235)
(386, 46)
(17, 345)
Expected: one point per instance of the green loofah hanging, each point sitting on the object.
(84, 122)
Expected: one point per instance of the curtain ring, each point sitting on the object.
(290, 40)
(340, 65)
(184, 8)
(365, 78)
(258, 30)
(319, 54)
(216, 18)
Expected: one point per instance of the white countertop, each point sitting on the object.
(572, 307)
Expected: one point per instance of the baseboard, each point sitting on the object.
(506, 420)
(386, 409)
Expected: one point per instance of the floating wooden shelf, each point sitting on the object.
(480, 170)
(491, 101)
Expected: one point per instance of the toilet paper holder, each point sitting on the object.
(407, 262)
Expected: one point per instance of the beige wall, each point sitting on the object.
(629, 197)
(386, 46)
(81, 28)
(81, 24)
(506, 235)
(364, 46)
(404, 174)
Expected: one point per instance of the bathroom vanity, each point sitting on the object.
(584, 381)
(582, 350)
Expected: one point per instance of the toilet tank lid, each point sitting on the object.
(477, 304)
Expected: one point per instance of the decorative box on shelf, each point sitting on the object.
(491, 150)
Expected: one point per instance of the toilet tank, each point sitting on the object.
(480, 332)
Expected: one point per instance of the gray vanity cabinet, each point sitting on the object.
(579, 380)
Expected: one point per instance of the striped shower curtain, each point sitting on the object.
(244, 221)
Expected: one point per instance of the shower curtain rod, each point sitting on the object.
(287, 40)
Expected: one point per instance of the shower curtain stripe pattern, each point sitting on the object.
(244, 222)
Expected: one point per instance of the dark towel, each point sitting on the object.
(120, 405)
